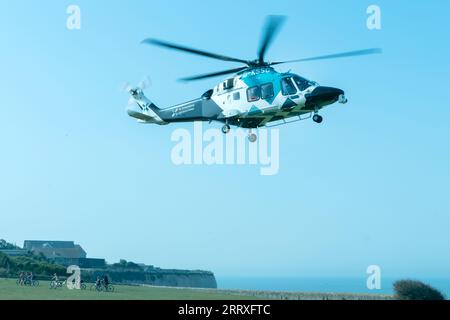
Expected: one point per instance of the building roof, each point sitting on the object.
(33, 244)
(51, 253)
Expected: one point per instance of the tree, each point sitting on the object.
(416, 290)
(127, 265)
(6, 245)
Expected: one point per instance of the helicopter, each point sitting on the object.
(255, 96)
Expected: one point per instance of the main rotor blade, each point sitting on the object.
(273, 25)
(335, 56)
(215, 74)
(191, 50)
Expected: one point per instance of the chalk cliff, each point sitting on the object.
(157, 277)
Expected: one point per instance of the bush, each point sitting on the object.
(11, 266)
(416, 290)
(124, 264)
(7, 245)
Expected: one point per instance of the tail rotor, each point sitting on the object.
(142, 85)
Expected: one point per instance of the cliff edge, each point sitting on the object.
(156, 277)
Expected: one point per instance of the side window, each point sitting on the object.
(253, 94)
(267, 91)
(228, 84)
(236, 96)
(287, 87)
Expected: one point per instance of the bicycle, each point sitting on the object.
(31, 283)
(108, 287)
(56, 284)
(101, 287)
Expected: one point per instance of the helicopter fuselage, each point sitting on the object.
(254, 98)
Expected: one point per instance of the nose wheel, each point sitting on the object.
(317, 118)
(252, 137)
(225, 129)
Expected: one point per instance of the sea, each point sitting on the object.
(317, 284)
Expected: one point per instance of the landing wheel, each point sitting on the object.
(252, 137)
(225, 129)
(317, 118)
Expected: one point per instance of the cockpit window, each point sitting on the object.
(287, 87)
(302, 83)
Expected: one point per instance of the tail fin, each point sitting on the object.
(148, 112)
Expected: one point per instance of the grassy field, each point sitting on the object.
(9, 290)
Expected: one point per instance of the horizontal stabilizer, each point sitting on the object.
(142, 116)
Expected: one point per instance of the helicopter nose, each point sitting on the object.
(324, 95)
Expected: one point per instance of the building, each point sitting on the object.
(53, 250)
(63, 252)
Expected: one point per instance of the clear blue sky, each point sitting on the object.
(368, 186)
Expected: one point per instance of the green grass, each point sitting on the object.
(9, 290)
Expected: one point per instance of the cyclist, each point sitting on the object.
(98, 282)
(55, 280)
(105, 281)
(82, 284)
(27, 278)
(31, 278)
(22, 278)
